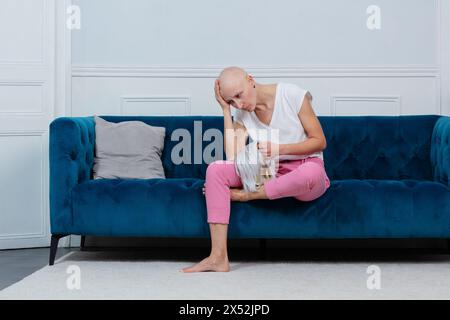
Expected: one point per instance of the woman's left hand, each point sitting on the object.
(269, 149)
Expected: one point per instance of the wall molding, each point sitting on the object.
(124, 100)
(44, 174)
(365, 98)
(4, 82)
(338, 71)
(63, 84)
(25, 83)
(41, 61)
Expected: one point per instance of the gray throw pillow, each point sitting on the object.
(128, 150)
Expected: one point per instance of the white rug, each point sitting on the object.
(106, 276)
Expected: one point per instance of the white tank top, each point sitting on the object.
(288, 100)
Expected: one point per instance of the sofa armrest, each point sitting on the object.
(71, 157)
(440, 150)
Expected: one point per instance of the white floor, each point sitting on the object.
(106, 275)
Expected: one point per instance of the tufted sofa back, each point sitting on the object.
(379, 147)
(358, 147)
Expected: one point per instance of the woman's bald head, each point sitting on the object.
(232, 76)
(236, 87)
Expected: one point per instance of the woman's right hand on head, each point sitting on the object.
(225, 106)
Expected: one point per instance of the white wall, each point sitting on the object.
(161, 57)
(27, 66)
(276, 32)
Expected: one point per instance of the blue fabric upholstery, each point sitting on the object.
(440, 151)
(378, 147)
(71, 156)
(389, 178)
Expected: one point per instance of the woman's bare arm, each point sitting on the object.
(316, 138)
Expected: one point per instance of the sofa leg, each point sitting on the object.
(263, 248)
(82, 247)
(448, 245)
(54, 246)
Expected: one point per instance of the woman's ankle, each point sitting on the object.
(219, 256)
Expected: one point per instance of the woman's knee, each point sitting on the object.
(312, 195)
(315, 177)
(310, 172)
(216, 168)
(312, 181)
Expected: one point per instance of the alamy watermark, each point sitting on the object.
(374, 18)
(73, 282)
(73, 17)
(181, 153)
(374, 280)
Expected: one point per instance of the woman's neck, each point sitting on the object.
(265, 97)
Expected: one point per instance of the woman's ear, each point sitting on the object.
(250, 77)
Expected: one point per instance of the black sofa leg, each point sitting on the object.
(82, 247)
(53, 246)
(448, 245)
(263, 248)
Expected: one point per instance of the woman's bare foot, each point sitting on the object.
(239, 195)
(210, 264)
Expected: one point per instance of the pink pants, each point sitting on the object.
(303, 179)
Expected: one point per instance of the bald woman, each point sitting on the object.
(301, 172)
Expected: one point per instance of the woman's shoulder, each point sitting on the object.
(295, 91)
(292, 87)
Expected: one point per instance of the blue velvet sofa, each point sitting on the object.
(389, 179)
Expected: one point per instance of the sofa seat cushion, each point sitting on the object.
(351, 209)
(138, 207)
(392, 208)
(348, 209)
